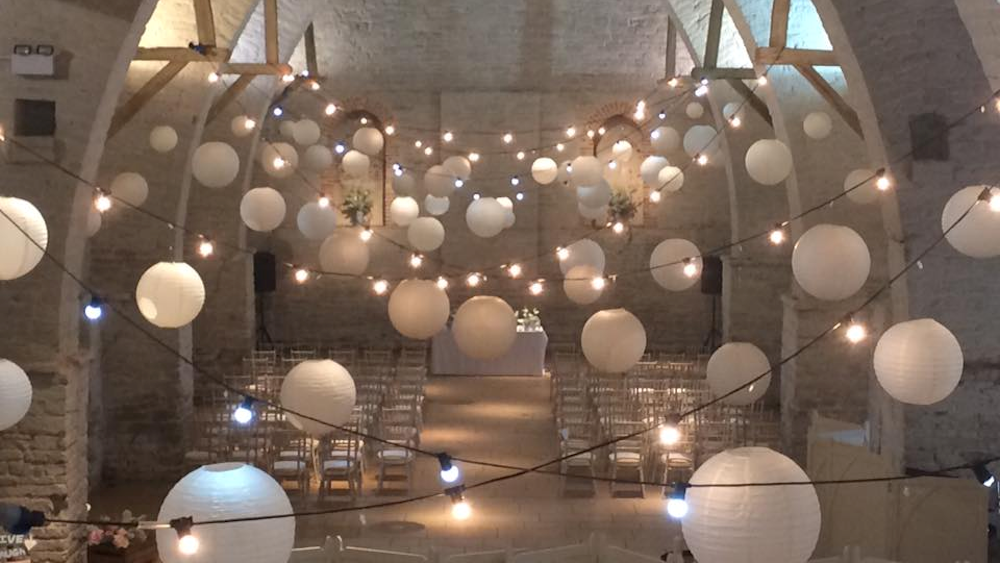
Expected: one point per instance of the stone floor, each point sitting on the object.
(502, 419)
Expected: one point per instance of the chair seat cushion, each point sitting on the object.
(288, 465)
(397, 455)
(625, 458)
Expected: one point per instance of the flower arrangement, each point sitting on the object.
(357, 205)
(622, 208)
(115, 536)
(528, 320)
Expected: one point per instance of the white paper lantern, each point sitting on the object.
(732, 367)
(163, 138)
(419, 309)
(579, 284)
(544, 170)
(594, 196)
(702, 140)
(344, 252)
(866, 191)
(319, 389)
(665, 140)
(317, 158)
(242, 126)
(978, 234)
(817, 125)
(94, 221)
(315, 221)
(368, 140)
(15, 394)
(587, 171)
(426, 234)
(583, 251)
(287, 129)
(404, 184)
(18, 254)
(485, 217)
(356, 164)
(694, 110)
(668, 267)
(403, 210)
(485, 327)
(731, 110)
(508, 207)
(215, 164)
(831, 262)
(439, 181)
(650, 168)
(262, 209)
(621, 150)
(170, 294)
(220, 492)
(306, 132)
(458, 166)
(279, 159)
(592, 213)
(918, 362)
(613, 340)
(769, 162)
(563, 176)
(436, 205)
(751, 524)
(130, 188)
(670, 179)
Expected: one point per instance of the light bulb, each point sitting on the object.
(702, 160)
(448, 136)
(475, 197)
(416, 261)
(380, 287)
(520, 155)
(206, 248)
(304, 74)
(514, 181)
(213, 77)
(249, 123)
(278, 162)
(514, 270)
(442, 283)
(677, 508)
(618, 228)
(673, 82)
(571, 131)
(669, 435)
(762, 80)
(777, 236)
(591, 133)
(690, 269)
(331, 109)
(735, 121)
(363, 121)
(562, 253)
(856, 332)
(277, 111)
(662, 115)
(883, 183)
(390, 130)
(598, 283)
(461, 510)
(995, 200)
(473, 157)
(655, 134)
(601, 131)
(102, 202)
(301, 275)
(536, 288)
(612, 164)
(560, 147)
(451, 474)
(188, 545)
(508, 138)
(287, 78)
(366, 235)
(313, 85)
(428, 151)
(519, 196)
(701, 90)
(459, 183)
(473, 280)
(324, 202)
(655, 196)
(418, 143)
(94, 310)
(244, 412)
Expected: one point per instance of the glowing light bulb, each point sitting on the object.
(514, 181)
(669, 435)
(777, 236)
(448, 136)
(418, 143)
(102, 202)
(591, 133)
(363, 121)
(536, 287)
(883, 182)
(519, 196)
(459, 183)
(94, 310)
(206, 248)
(612, 164)
(560, 147)
(571, 131)
(655, 134)
(366, 235)
(301, 275)
(701, 90)
(442, 283)
(313, 85)
(618, 228)
(673, 82)
(520, 155)
(416, 261)
(390, 130)
(514, 270)
(324, 202)
(856, 332)
(429, 151)
(451, 474)
(288, 78)
(655, 196)
(735, 122)
(249, 124)
(702, 160)
(277, 111)
(995, 200)
(598, 283)
(562, 253)
(188, 545)
(602, 131)
(461, 510)
(677, 508)
(473, 280)
(244, 412)
(380, 287)
(762, 80)
(473, 157)
(475, 197)
(340, 147)
(662, 115)
(213, 77)
(690, 269)
(278, 162)
(508, 138)
(331, 109)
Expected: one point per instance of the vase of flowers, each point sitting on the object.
(528, 320)
(110, 543)
(357, 205)
(622, 207)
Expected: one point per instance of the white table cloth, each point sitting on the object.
(525, 357)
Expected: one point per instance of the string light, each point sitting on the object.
(662, 115)
(459, 183)
(390, 130)
(448, 136)
(449, 471)
(762, 80)
(249, 124)
(519, 196)
(288, 78)
(429, 151)
(206, 248)
(701, 90)
(777, 235)
(735, 122)
(213, 77)
(536, 287)
(571, 131)
(618, 227)
(640, 110)
(560, 147)
(416, 261)
(473, 157)
(883, 182)
(690, 269)
(340, 147)
(515, 181)
(380, 287)
(677, 506)
(655, 196)
(562, 253)
(995, 200)
(324, 202)
(313, 85)
(612, 164)
(301, 275)
(984, 475)
(460, 509)
(366, 235)
(673, 82)
(278, 162)
(701, 159)
(94, 310)
(187, 544)
(244, 411)
(601, 131)
(475, 196)
(442, 283)
(508, 138)
(363, 120)
(856, 332)
(655, 134)
(102, 202)
(591, 133)
(669, 435)
(520, 155)
(598, 283)
(331, 109)
(418, 143)
(276, 111)
(514, 271)
(474, 279)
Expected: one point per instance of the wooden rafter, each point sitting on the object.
(129, 109)
(723, 73)
(714, 34)
(752, 99)
(779, 23)
(311, 63)
(271, 31)
(831, 96)
(213, 55)
(255, 69)
(810, 57)
(205, 21)
(229, 96)
(670, 67)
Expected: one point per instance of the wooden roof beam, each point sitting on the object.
(205, 21)
(832, 97)
(810, 57)
(779, 23)
(271, 31)
(129, 109)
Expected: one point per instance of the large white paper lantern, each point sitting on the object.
(344, 252)
(368, 140)
(594, 196)
(579, 284)
(287, 129)
(315, 221)
(978, 234)
(215, 164)
(279, 159)
(831, 262)
(163, 138)
(170, 294)
(587, 171)
(404, 184)
(306, 132)
(918, 362)
(860, 186)
(130, 188)
(356, 164)
(458, 166)
(769, 162)
(621, 150)
(778, 524)
(18, 254)
(436, 205)
(732, 367)
(665, 140)
(508, 207)
(485, 327)
(670, 179)
(419, 309)
(15, 394)
(544, 170)
(319, 389)
(403, 210)
(694, 110)
(485, 217)
(702, 140)
(317, 158)
(242, 126)
(262, 209)
(439, 181)
(426, 234)
(583, 251)
(650, 168)
(668, 267)
(817, 125)
(613, 340)
(226, 491)
(592, 213)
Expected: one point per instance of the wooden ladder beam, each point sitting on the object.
(129, 109)
(831, 96)
(229, 96)
(809, 57)
(212, 55)
(670, 67)
(752, 99)
(255, 69)
(205, 21)
(779, 23)
(714, 34)
(312, 64)
(271, 31)
(723, 73)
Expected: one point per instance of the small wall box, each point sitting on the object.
(33, 60)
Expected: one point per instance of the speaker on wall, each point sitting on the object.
(264, 272)
(711, 275)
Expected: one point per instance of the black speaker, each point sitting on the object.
(711, 275)
(264, 272)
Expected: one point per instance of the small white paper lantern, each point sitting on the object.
(613, 340)
(279, 159)
(769, 162)
(18, 254)
(242, 126)
(621, 150)
(668, 267)
(419, 309)
(163, 138)
(978, 234)
(215, 164)
(593, 196)
(404, 184)
(320, 389)
(579, 284)
(368, 140)
(508, 206)
(439, 181)
(436, 205)
(817, 125)
(94, 221)
(317, 158)
(694, 110)
(665, 140)
(316, 222)
(650, 168)
(563, 176)
(130, 188)
(866, 191)
(426, 234)
(583, 251)
(485, 327)
(751, 524)
(831, 262)
(306, 132)
(732, 367)
(458, 166)
(170, 294)
(918, 362)
(587, 171)
(702, 140)
(344, 252)
(15, 394)
(592, 213)
(262, 209)
(403, 210)
(356, 164)
(670, 179)
(485, 217)
(544, 170)
(287, 129)
(220, 492)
